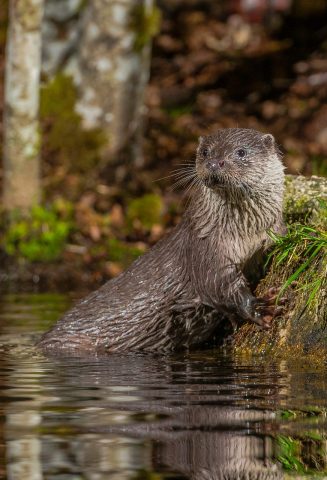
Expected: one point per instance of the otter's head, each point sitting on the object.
(238, 159)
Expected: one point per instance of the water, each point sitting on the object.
(201, 415)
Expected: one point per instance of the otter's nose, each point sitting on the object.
(213, 165)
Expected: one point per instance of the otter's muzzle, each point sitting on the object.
(214, 165)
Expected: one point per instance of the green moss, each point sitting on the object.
(63, 138)
(319, 165)
(83, 4)
(305, 200)
(121, 252)
(145, 22)
(147, 211)
(147, 475)
(42, 235)
(178, 111)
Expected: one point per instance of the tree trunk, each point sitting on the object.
(114, 68)
(302, 328)
(61, 35)
(21, 131)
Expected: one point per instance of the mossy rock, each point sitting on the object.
(302, 328)
(305, 200)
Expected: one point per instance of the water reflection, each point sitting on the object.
(204, 415)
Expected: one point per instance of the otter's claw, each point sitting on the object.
(265, 311)
(262, 318)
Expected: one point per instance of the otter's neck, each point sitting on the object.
(246, 211)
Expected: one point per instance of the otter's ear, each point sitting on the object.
(268, 140)
(201, 140)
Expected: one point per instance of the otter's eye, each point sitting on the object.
(205, 152)
(241, 153)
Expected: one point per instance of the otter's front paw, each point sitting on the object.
(262, 313)
(264, 309)
(260, 310)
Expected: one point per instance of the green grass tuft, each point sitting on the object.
(301, 250)
(304, 454)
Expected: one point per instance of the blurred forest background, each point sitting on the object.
(126, 88)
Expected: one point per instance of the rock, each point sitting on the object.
(304, 199)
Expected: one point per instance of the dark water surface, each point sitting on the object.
(200, 415)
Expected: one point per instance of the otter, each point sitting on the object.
(175, 295)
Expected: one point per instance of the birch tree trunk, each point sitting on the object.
(114, 65)
(61, 34)
(21, 133)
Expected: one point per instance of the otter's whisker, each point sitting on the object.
(193, 183)
(183, 180)
(188, 194)
(175, 173)
(186, 163)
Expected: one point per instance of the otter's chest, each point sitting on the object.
(241, 249)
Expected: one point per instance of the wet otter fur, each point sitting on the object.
(175, 295)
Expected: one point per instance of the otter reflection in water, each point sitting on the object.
(199, 418)
(175, 296)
